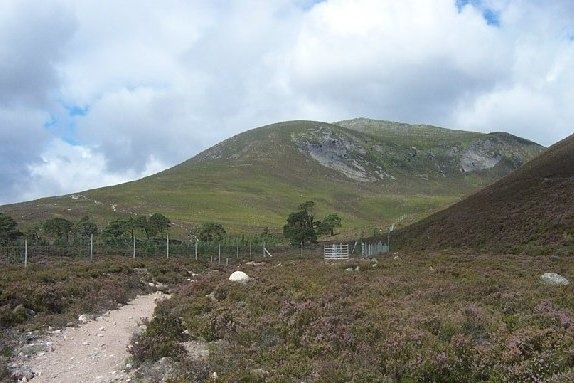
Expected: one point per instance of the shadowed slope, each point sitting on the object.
(530, 209)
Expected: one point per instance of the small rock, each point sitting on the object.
(85, 318)
(35, 348)
(21, 373)
(239, 276)
(253, 263)
(554, 279)
(259, 373)
(161, 287)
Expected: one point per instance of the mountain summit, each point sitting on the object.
(370, 172)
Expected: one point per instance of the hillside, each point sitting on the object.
(371, 172)
(531, 210)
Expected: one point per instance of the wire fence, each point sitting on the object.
(225, 252)
(220, 253)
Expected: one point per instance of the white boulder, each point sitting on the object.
(239, 276)
(554, 279)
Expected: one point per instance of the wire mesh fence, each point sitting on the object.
(227, 252)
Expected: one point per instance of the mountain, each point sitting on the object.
(371, 172)
(530, 210)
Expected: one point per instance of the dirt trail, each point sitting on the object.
(95, 351)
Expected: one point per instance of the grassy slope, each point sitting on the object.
(532, 208)
(255, 179)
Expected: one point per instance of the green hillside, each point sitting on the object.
(530, 210)
(372, 173)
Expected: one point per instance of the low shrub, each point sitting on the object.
(444, 318)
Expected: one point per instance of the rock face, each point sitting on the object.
(239, 276)
(554, 279)
(379, 151)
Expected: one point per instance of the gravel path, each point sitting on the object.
(95, 351)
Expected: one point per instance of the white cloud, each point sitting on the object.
(65, 168)
(160, 81)
(407, 60)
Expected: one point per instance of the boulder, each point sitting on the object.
(239, 276)
(554, 279)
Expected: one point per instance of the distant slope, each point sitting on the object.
(370, 172)
(530, 210)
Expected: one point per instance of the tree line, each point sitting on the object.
(301, 228)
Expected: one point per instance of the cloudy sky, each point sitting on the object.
(98, 92)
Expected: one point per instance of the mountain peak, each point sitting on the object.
(369, 171)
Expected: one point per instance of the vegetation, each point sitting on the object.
(85, 228)
(8, 230)
(438, 318)
(210, 232)
(58, 229)
(328, 225)
(302, 228)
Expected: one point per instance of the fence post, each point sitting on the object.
(237, 249)
(26, 253)
(219, 259)
(91, 247)
(134, 254)
(263, 250)
(226, 261)
(196, 241)
(249, 249)
(301, 249)
(167, 245)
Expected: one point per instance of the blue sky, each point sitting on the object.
(491, 16)
(95, 93)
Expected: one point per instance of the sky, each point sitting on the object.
(100, 92)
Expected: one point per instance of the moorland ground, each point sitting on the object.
(414, 318)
